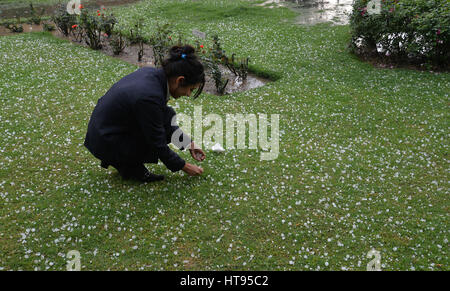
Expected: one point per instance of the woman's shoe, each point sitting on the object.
(104, 164)
(150, 177)
(138, 172)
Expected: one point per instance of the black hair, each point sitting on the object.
(182, 61)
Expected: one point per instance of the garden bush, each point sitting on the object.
(15, 27)
(90, 25)
(118, 41)
(161, 41)
(48, 27)
(214, 57)
(63, 20)
(95, 25)
(35, 17)
(415, 31)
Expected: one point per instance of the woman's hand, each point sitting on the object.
(192, 170)
(197, 153)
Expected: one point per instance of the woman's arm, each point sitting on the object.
(174, 133)
(150, 117)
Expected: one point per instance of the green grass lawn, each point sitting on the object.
(363, 158)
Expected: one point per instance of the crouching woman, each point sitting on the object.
(132, 124)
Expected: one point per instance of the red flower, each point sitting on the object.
(98, 11)
(364, 10)
(73, 26)
(81, 6)
(201, 46)
(99, 14)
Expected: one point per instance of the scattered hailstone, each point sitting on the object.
(218, 148)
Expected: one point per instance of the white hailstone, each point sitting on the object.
(217, 148)
(220, 237)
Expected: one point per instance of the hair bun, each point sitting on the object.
(176, 52)
(188, 50)
(182, 61)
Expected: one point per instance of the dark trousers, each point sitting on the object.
(132, 148)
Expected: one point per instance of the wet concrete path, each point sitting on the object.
(316, 11)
